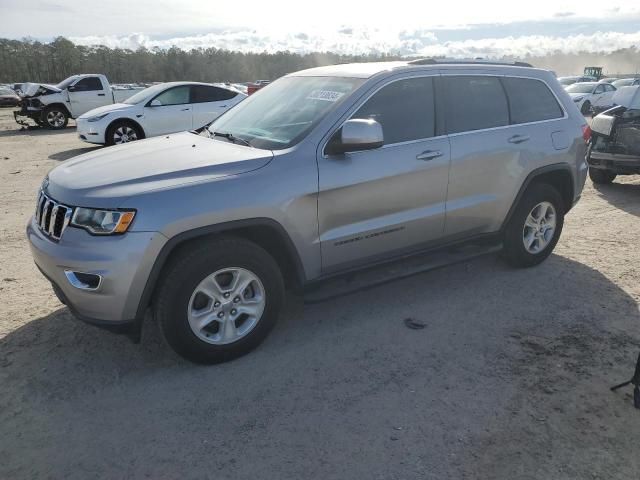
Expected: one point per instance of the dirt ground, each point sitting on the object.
(509, 380)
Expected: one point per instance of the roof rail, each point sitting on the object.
(473, 61)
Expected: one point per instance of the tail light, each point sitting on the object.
(586, 133)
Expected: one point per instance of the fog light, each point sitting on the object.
(83, 281)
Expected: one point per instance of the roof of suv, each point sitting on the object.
(367, 70)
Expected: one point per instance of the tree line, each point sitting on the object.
(33, 61)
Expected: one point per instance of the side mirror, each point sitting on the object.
(72, 88)
(155, 103)
(355, 135)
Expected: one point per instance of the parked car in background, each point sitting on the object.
(566, 81)
(325, 171)
(590, 95)
(627, 82)
(17, 87)
(8, 98)
(52, 106)
(615, 140)
(257, 85)
(608, 80)
(164, 108)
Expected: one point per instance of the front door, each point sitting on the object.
(87, 94)
(169, 112)
(378, 202)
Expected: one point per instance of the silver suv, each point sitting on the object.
(322, 171)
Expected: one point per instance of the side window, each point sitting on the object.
(530, 100)
(174, 96)
(609, 87)
(474, 103)
(404, 108)
(89, 84)
(205, 93)
(599, 89)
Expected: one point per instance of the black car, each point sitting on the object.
(615, 138)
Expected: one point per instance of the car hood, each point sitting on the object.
(38, 89)
(106, 177)
(116, 107)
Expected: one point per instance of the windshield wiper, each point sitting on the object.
(232, 138)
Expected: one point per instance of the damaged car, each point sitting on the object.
(52, 106)
(615, 139)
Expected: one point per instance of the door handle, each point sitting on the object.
(222, 106)
(518, 139)
(429, 155)
(101, 94)
(185, 109)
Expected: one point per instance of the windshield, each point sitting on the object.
(580, 88)
(66, 82)
(567, 80)
(284, 112)
(145, 94)
(625, 82)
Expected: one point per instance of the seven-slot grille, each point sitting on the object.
(52, 217)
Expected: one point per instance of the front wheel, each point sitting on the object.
(219, 300)
(535, 226)
(601, 176)
(586, 108)
(123, 132)
(55, 118)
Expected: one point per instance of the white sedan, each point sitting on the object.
(158, 110)
(587, 95)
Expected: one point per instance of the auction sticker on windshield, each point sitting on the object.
(326, 95)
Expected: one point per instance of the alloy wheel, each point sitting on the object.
(539, 227)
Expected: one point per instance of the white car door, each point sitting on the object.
(87, 94)
(600, 97)
(209, 102)
(168, 112)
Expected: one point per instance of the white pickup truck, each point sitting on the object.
(51, 106)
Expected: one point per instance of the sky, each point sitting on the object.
(488, 28)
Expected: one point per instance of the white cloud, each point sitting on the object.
(352, 40)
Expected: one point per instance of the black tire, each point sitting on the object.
(185, 272)
(586, 108)
(55, 117)
(122, 124)
(601, 176)
(515, 252)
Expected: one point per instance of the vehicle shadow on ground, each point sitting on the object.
(67, 154)
(35, 131)
(345, 383)
(625, 196)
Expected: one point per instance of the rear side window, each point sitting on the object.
(474, 103)
(404, 108)
(530, 100)
(205, 93)
(88, 84)
(174, 96)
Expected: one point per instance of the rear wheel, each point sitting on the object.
(123, 132)
(535, 226)
(55, 118)
(601, 176)
(219, 300)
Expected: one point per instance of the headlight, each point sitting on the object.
(95, 118)
(103, 222)
(577, 99)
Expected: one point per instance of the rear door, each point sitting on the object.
(209, 102)
(496, 141)
(376, 202)
(169, 112)
(86, 94)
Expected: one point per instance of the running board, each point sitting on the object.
(366, 279)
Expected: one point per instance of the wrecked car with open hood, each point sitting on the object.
(615, 141)
(51, 106)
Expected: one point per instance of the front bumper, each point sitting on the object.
(615, 162)
(89, 131)
(124, 263)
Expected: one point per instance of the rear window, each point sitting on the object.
(205, 93)
(530, 100)
(475, 103)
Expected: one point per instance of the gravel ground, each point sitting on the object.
(509, 379)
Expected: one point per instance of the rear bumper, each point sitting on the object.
(89, 131)
(123, 264)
